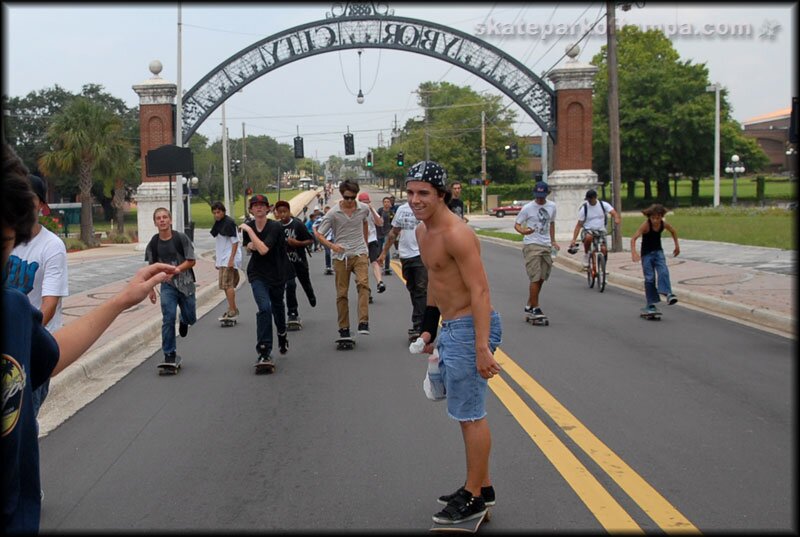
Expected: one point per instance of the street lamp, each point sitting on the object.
(735, 167)
(715, 89)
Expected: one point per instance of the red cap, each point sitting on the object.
(258, 198)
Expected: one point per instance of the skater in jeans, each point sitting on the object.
(373, 245)
(266, 272)
(458, 291)
(228, 257)
(348, 220)
(654, 264)
(173, 248)
(386, 213)
(536, 222)
(297, 239)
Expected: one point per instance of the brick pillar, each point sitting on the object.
(156, 128)
(572, 175)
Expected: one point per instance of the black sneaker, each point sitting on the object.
(537, 311)
(291, 316)
(183, 329)
(169, 358)
(283, 343)
(672, 299)
(487, 493)
(528, 309)
(328, 271)
(313, 301)
(363, 328)
(387, 272)
(344, 332)
(462, 507)
(381, 287)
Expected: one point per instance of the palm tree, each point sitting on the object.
(85, 137)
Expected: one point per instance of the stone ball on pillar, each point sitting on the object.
(572, 51)
(155, 67)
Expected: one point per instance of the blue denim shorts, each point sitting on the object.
(466, 389)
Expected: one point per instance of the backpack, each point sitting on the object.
(176, 242)
(586, 212)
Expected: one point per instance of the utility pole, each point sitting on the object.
(483, 162)
(225, 161)
(614, 160)
(244, 173)
(426, 96)
(178, 214)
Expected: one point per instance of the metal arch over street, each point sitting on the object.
(363, 25)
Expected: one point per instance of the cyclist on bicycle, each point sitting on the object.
(592, 217)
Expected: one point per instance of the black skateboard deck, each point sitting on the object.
(227, 322)
(469, 526)
(169, 368)
(650, 315)
(294, 325)
(345, 343)
(537, 320)
(265, 369)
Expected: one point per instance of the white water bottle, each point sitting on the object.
(416, 346)
(433, 385)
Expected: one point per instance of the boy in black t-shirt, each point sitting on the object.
(297, 240)
(267, 272)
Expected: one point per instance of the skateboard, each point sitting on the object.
(167, 368)
(345, 343)
(294, 325)
(227, 321)
(650, 315)
(267, 368)
(468, 526)
(537, 320)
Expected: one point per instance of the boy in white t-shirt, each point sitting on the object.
(38, 269)
(228, 256)
(536, 222)
(592, 217)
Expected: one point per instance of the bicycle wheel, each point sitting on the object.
(601, 272)
(591, 270)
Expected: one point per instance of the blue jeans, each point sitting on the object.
(171, 299)
(328, 258)
(465, 387)
(656, 276)
(269, 299)
(387, 262)
(301, 273)
(416, 276)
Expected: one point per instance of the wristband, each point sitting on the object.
(430, 321)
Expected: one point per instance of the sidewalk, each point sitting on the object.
(751, 284)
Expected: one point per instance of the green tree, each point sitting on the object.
(86, 139)
(666, 116)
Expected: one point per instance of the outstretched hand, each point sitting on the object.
(143, 282)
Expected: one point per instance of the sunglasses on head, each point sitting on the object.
(348, 198)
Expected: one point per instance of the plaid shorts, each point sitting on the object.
(228, 277)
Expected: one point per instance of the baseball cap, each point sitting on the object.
(40, 189)
(363, 196)
(591, 193)
(429, 172)
(258, 198)
(540, 190)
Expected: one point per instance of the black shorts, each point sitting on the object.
(374, 251)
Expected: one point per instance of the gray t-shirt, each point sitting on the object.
(348, 230)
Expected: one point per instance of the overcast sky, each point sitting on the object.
(112, 45)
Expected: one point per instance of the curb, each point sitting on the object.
(759, 316)
(90, 365)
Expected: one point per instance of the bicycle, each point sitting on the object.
(596, 271)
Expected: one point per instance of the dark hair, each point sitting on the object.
(655, 208)
(454, 183)
(218, 206)
(17, 201)
(282, 203)
(349, 186)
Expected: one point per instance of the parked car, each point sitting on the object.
(514, 208)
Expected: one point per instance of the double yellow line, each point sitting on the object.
(603, 506)
(611, 515)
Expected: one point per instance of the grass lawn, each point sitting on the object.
(773, 228)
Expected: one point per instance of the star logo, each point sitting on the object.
(769, 30)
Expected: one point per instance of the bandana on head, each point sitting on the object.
(430, 172)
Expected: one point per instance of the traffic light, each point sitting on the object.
(235, 166)
(508, 152)
(369, 159)
(400, 159)
(514, 152)
(349, 146)
(298, 147)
